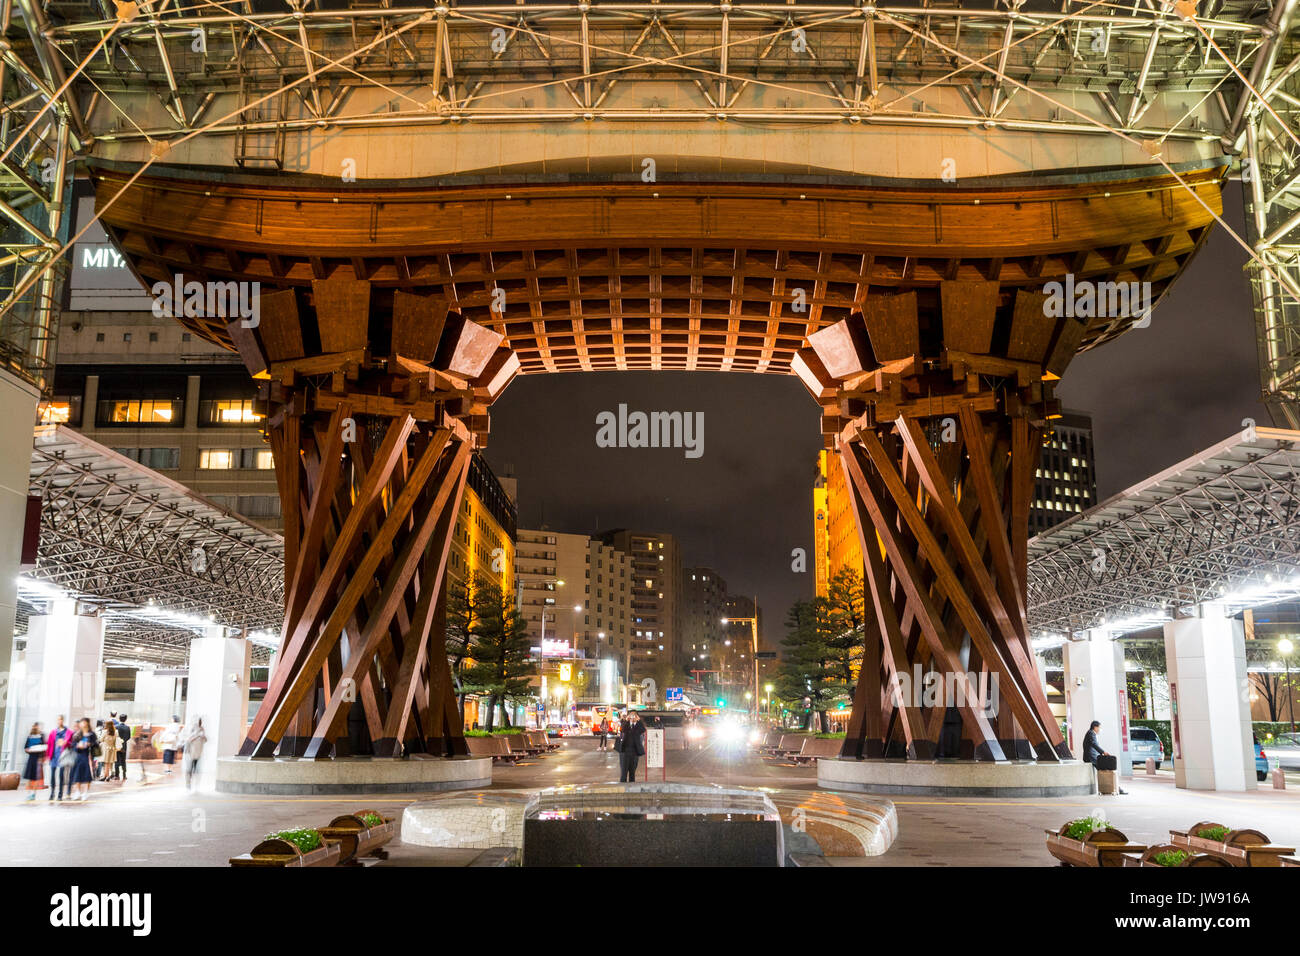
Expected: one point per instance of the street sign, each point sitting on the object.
(765, 655)
(672, 694)
(654, 749)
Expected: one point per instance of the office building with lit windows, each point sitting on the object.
(704, 605)
(140, 385)
(656, 574)
(1065, 482)
(835, 531)
(483, 544)
(583, 587)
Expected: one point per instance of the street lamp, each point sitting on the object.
(1285, 647)
(753, 630)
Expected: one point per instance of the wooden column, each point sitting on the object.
(947, 587)
(368, 579)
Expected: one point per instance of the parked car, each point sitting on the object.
(1261, 760)
(1143, 743)
(1286, 748)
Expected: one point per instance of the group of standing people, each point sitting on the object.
(80, 754)
(69, 752)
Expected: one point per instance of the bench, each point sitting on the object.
(356, 838)
(769, 742)
(520, 744)
(1106, 847)
(494, 747)
(538, 739)
(277, 853)
(814, 747)
(1238, 847)
(789, 745)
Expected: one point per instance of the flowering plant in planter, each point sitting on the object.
(1080, 828)
(305, 839)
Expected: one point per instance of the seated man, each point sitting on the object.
(1092, 747)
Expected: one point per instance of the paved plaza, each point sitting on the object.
(162, 824)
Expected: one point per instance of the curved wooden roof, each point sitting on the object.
(672, 275)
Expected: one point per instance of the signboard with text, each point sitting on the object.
(654, 749)
(672, 694)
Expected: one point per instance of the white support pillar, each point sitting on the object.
(1210, 704)
(64, 667)
(18, 402)
(218, 694)
(1095, 689)
(1159, 705)
(156, 699)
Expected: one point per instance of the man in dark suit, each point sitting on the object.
(631, 746)
(1092, 747)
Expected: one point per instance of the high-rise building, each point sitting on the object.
(835, 531)
(704, 605)
(1065, 482)
(483, 545)
(608, 615)
(147, 389)
(583, 586)
(656, 574)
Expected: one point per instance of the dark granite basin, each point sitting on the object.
(652, 825)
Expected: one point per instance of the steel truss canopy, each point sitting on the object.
(161, 562)
(802, 61)
(1221, 527)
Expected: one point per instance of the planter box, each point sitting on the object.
(1193, 859)
(1100, 848)
(1238, 847)
(355, 839)
(282, 853)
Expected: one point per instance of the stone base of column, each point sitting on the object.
(416, 774)
(958, 778)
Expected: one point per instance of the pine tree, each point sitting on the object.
(845, 609)
(810, 671)
(464, 610)
(500, 651)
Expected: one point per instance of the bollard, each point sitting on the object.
(1279, 779)
(1151, 766)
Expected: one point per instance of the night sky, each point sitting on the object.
(1156, 396)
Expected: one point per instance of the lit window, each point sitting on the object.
(228, 411)
(260, 459)
(53, 413)
(147, 411)
(216, 459)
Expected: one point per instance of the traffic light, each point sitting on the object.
(722, 702)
